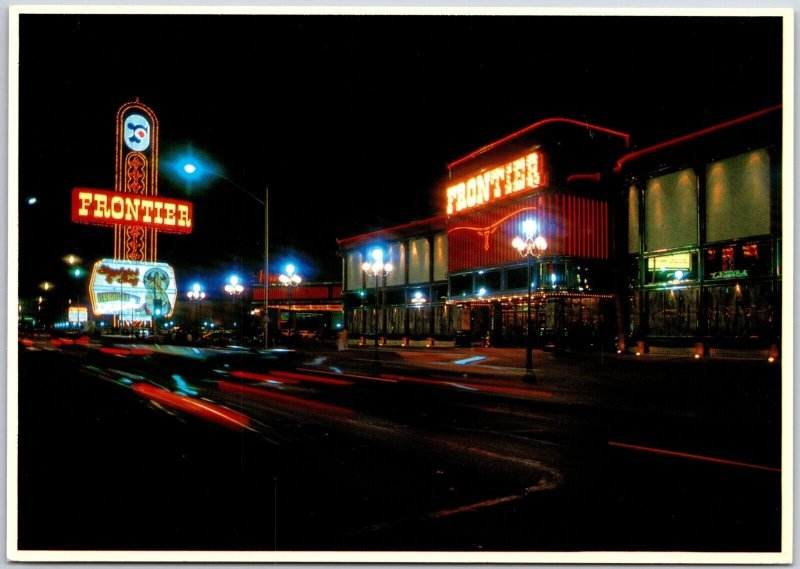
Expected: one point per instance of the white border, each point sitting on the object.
(598, 557)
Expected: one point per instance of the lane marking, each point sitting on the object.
(690, 456)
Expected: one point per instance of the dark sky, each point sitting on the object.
(350, 120)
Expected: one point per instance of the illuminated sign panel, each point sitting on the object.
(77, 314)
(133, 290)
(104, 207)
(525, 173)
(676, 261)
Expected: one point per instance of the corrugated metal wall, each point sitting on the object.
(573, 226)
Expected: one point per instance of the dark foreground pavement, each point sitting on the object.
(430, 450)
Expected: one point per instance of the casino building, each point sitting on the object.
(674, 246)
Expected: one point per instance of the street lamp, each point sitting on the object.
(529, 247)
(235, 289)
(290, 279)
(196, 296)
(376, 268)
(192, 169)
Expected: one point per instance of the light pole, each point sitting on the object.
(529, 247)
(234, 289)
(290, 279)
(196, 296)
(191, 169)
(377, 268)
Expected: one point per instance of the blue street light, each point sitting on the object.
(194, 166)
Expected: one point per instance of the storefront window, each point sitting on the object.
(672, 312)
(737, 261)
(741, 310)
(672, 269)
(488, 280)
(461, 285)
(517, 278)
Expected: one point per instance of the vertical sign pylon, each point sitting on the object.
(136, 172)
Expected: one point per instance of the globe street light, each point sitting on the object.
(529, 247)
(376, 268)
(196, 296)
(193, 169)
(290, 279)
(235, 289)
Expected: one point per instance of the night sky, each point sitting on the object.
(350, 120)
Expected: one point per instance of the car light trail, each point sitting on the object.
(466, 361)
(269, 378)
(314, 378)
(202, 409)
(315, 406)
(492, 389)
(686, 455)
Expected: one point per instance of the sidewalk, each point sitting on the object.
(666, 384)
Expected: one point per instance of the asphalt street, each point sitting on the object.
(139, 448)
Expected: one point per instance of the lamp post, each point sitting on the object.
(234, 289)
(377, 268)
(529, 247)
(196, 296)
(290, 279)
(191, 169)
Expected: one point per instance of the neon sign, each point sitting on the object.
(131, 289)
(525, 173)
(104, 207)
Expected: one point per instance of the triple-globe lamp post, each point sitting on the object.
(376, 268)
(196, 295)
(235, 289)
(530, 248)
(290, 279)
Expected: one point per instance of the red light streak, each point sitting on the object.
(203, 409)
(312, 378)
(257, 393)
(260, 377)
(472, 386)
(125, 351)
(699, 457)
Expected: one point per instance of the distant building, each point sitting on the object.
(674, 244)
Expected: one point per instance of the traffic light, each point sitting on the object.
(157, 306)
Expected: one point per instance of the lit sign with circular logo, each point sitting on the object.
(137, 132)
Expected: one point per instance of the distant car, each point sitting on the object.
(218, 338)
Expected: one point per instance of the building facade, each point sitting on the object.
(674, 244)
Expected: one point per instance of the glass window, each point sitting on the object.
(489, 280)
(672, 312)
(461, 284)
(671, 211)
(737, 261)
(517, 278)
(741, 310)
(738, 197)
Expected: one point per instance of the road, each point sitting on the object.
(130, 448)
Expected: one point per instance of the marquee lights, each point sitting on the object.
(525, 173)
(105, 207)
